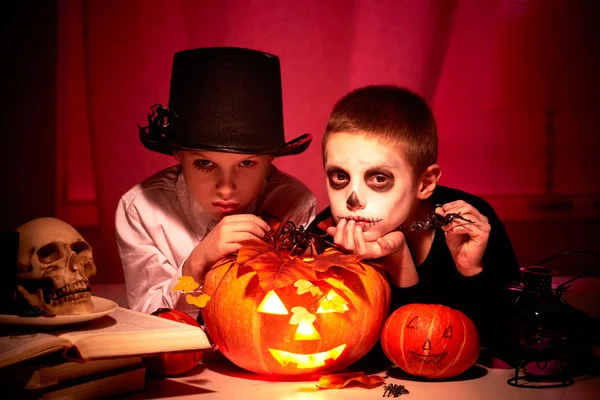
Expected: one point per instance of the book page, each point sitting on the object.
(22, 346)
(126, 332)
(122, 333)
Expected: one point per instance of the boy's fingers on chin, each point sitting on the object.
(384, 244)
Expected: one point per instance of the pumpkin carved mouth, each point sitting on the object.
(306, 360)
(428, 359)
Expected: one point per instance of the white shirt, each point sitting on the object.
(158, 224)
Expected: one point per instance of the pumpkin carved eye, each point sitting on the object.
(448, 332)
(272, 304)
(414, 323)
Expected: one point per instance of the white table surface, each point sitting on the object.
(223, 380)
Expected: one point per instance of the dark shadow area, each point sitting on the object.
(28, 86)
(228, 368)
(475, 372)
(166, 388)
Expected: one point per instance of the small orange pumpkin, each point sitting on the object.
(174, 363)
(273, 312)
(430, 340)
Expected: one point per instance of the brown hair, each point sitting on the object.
(394, 116)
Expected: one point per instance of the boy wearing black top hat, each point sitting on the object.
(224, 125)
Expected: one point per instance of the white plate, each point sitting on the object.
(102, 307)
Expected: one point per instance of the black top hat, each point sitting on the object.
(222, 99)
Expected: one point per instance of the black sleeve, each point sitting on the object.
(321, 216)
(406, 295)
(491, 301)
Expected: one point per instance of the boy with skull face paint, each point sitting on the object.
(379, 153)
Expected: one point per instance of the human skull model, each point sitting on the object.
(54, 267)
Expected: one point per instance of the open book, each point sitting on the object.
(122, 333)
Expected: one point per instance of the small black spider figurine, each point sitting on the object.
(161, 122)
(434, 221)
(393, 390)
(292, 238)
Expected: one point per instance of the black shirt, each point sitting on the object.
(483, 297)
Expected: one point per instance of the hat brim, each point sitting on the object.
(296, 146)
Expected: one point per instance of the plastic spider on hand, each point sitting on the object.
(434, 221)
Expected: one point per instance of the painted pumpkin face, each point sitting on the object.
(430, 340)
(277, 314)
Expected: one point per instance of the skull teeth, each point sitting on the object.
(73, 297)
(69, 290)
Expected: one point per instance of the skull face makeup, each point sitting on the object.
(54, 267)
(368, 183)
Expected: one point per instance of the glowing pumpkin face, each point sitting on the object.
(277, 314)
(430, 340)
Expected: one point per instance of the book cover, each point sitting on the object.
(54, 369)
(98, 386)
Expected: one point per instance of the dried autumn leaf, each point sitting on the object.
(198, 301)
(335, 258)
(305, 286)
(337, 283)
(338, 381)
(336, 303)
(186, 284)
(301, 314)
(274, 268)
(251, 249)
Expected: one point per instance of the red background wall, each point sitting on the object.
(514, 85)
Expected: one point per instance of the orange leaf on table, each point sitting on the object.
(338, 381)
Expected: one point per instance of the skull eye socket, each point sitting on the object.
(49, 253)
(80, 246)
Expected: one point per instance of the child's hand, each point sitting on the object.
(466, 240)
(349, 236)
(224, 239)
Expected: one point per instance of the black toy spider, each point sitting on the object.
(294, 239)
(434, 221)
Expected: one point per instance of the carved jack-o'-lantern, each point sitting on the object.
(430, 340)
(276, 313)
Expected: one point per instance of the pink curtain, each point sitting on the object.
(489, 68)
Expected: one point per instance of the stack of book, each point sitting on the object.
(52, 378)
(97, 359)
